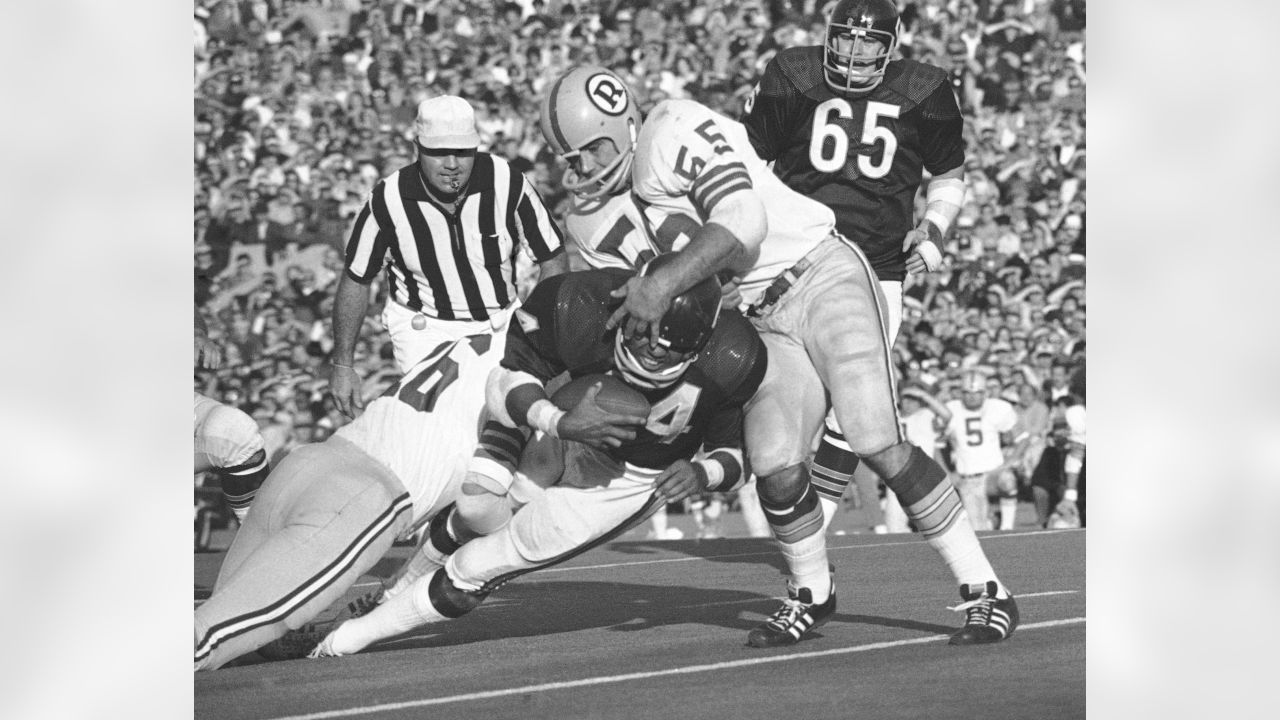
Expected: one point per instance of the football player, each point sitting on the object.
(331, 510)
(850, 126)
(708, 199)
(980, 430)
(615, 468)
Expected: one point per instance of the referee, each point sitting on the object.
(454, 231)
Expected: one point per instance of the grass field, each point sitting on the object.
(657, 629)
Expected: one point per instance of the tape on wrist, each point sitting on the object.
(544, 415)
(940, 221)
(1069, 494)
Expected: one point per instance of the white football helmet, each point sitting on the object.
(584, 104)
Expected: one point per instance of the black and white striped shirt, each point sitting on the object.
(452, 267)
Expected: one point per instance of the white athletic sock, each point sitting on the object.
(829, 509)
(1008, 512)
(960, 549)
(807, 561)
(400, 614)
(424, 562)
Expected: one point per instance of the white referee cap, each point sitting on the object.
(446, 121)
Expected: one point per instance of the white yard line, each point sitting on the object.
(611, 679)
(771, 551)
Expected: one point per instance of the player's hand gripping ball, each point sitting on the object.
(615, 396)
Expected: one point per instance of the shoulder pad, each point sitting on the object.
(912, 80)
(802, 66)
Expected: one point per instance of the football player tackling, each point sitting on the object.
(709, 200)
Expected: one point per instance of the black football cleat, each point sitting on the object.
(987, 619)
(795, 619)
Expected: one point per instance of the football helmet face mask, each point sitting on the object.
(682, 333)
(583, 105)
(848, 67)
(973, 390)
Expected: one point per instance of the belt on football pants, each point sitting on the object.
(780, 286)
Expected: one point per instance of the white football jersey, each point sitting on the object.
(688, 159)
(425, 427)
(975, 434)
(609, 232)
(918, 427)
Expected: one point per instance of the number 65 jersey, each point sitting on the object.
(561, 327)
(861, 156)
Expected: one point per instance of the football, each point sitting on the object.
(615, 395)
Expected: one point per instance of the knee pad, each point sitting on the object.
(230, 437)
(783, 488)
(483, 507)
(790, 504)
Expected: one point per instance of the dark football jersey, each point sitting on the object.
(561, 327)
(861, 156)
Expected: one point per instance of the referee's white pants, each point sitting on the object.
(412, 344)
(893, 305)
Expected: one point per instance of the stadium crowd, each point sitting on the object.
(302, 105)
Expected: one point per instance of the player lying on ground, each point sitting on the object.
(330, 510)
(616, 467)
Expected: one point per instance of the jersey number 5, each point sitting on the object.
(973, 429)
(872, 132)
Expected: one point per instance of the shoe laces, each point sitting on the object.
(787, 614)
(977, 611)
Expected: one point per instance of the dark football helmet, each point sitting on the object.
(847, 70)
(682, 333)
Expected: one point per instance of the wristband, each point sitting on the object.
(1069, 494)
(714, 471)
(340, 365)
(544, 415)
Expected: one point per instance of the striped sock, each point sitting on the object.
(240, 483)
(933, 504)
(831, 471)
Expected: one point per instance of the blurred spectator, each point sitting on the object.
(301, 105)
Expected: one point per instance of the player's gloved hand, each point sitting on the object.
(922, 242)
(345, 384)
(208, 353)
(1067, 508)
(591, 424)
(680, 480)
(646, 302)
